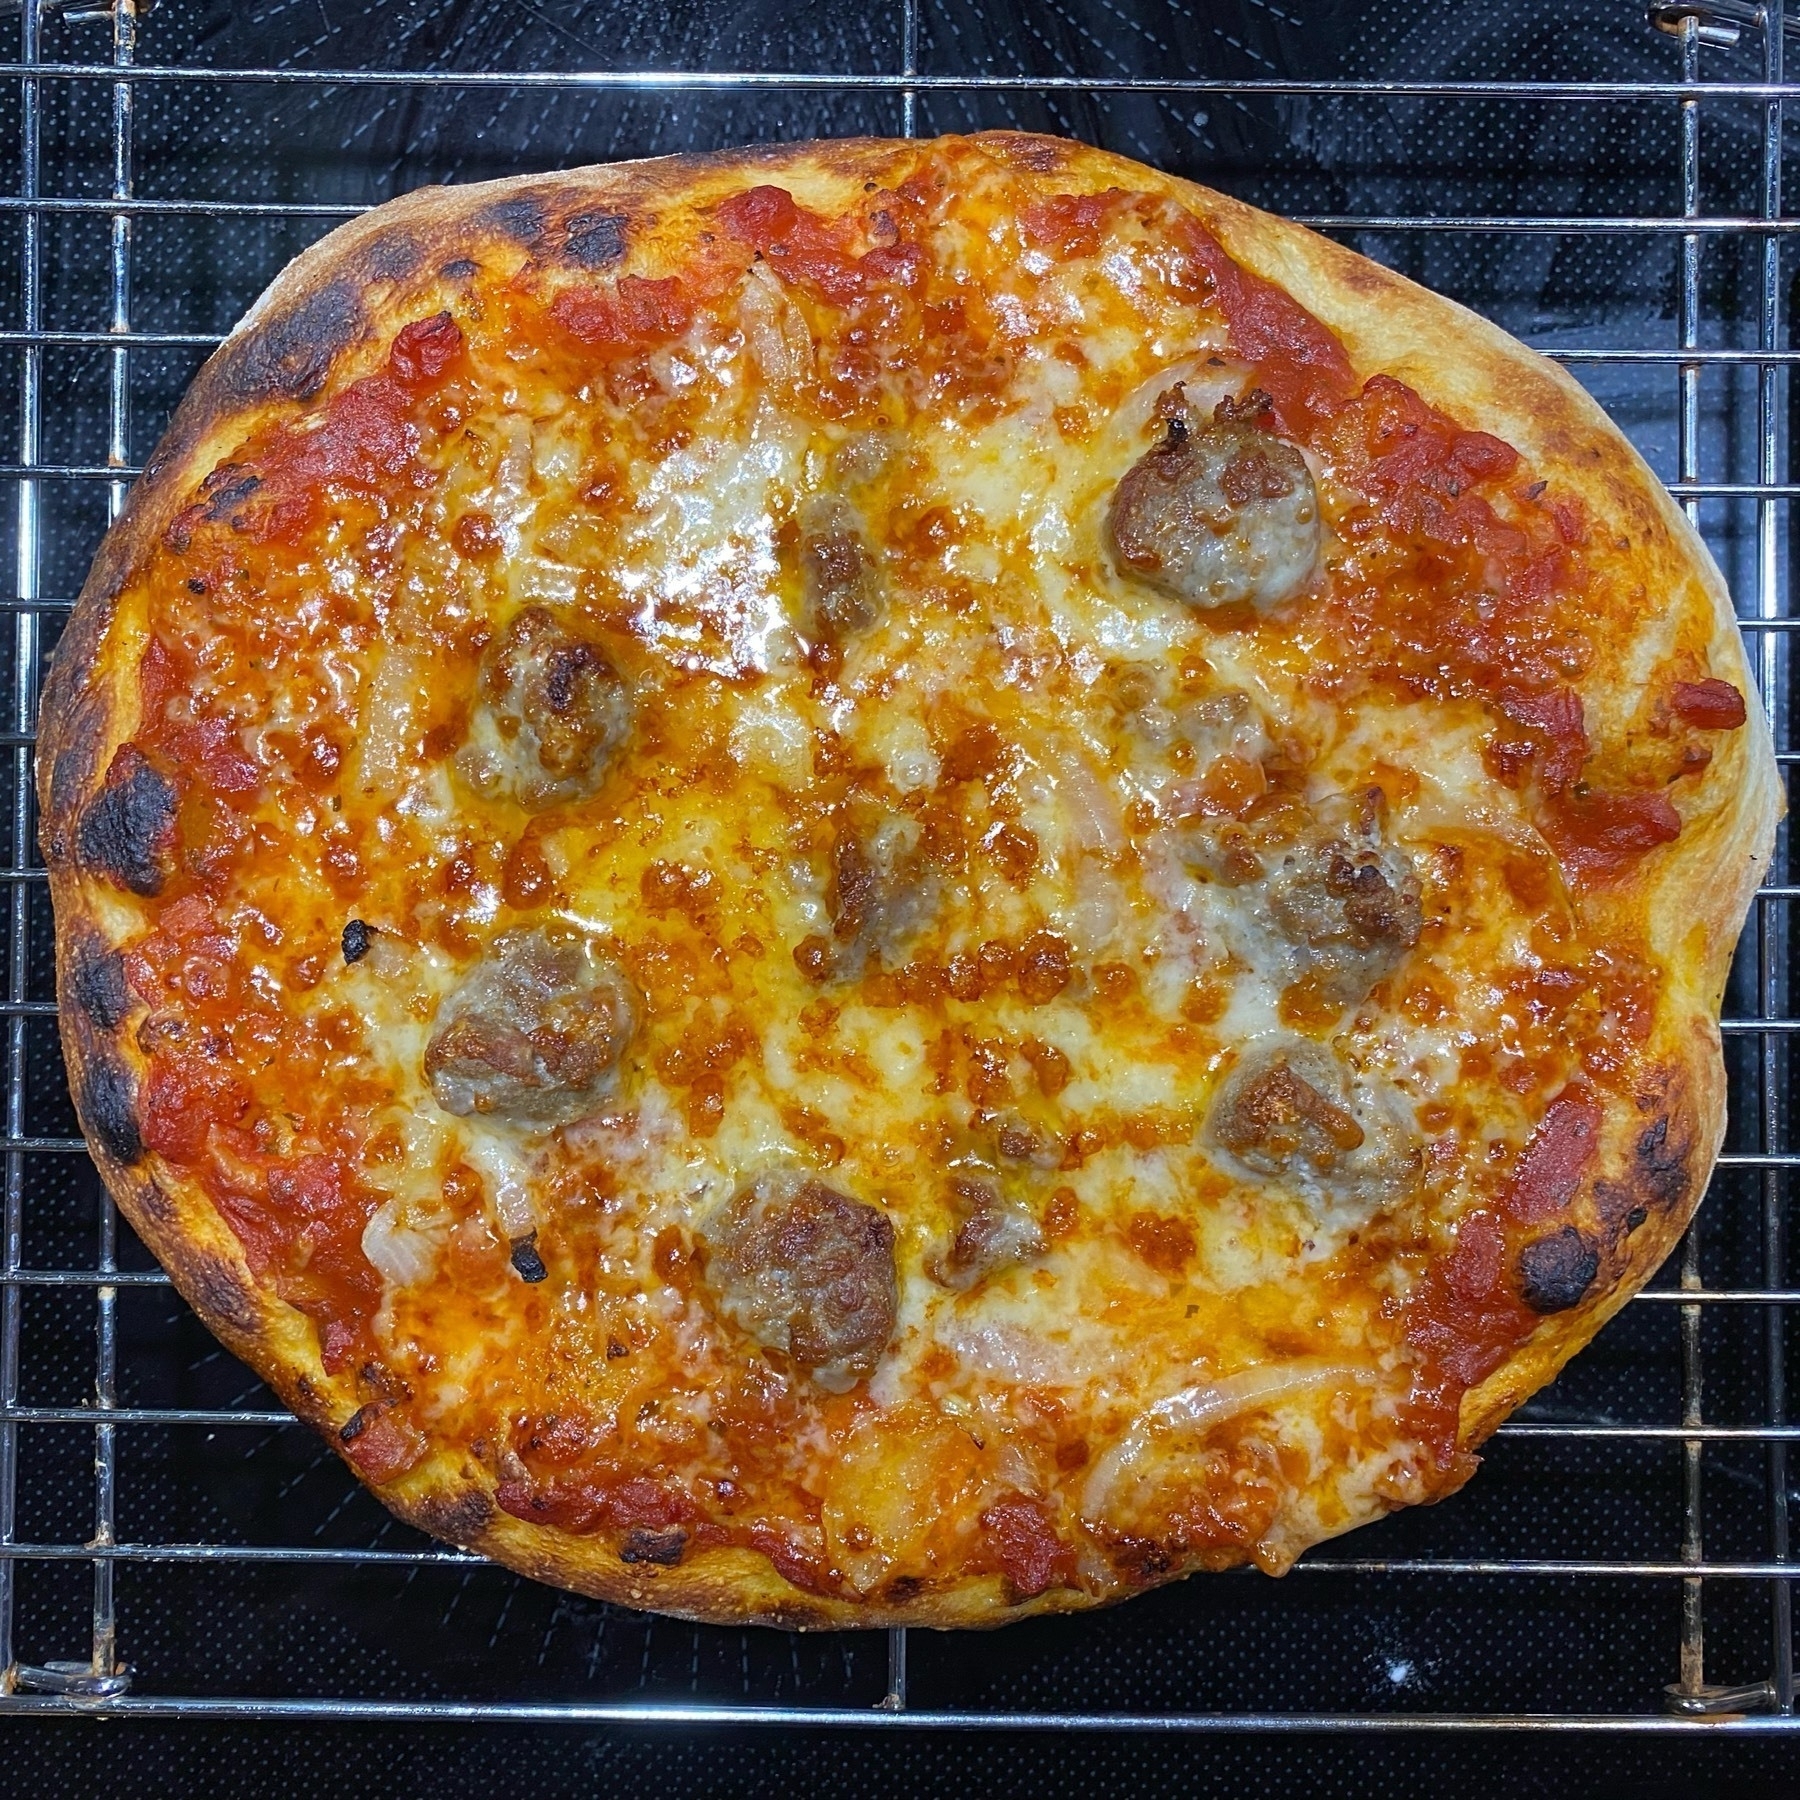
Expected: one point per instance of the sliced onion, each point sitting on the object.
(1207, 1404)
(399, 1253)
(1093, 811)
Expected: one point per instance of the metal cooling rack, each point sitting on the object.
(95, 1579)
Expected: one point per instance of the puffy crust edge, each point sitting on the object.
(326, 317)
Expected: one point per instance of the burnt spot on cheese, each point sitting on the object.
(126, 832)
(358, 1422)
(223, 493)
(527, 1264)
(551, 713)
(1662, 1165)
(96, 977)
(290, 353)
(1020, 150)
(534, 1032)
(593, 240)
(994, 1233)
(1221, 513)
(358, 936)
(808, 1272)
(108, 1106)
(663, 1549)
(1556, 1271)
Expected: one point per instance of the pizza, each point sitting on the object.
(885, 882)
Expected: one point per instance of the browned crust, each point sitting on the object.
(325, 320)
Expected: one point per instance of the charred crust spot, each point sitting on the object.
(358, 936)
(520, 219)
(459, 268)
(107, 1099)
(664, 1548)
(455, 1518)
(393, 255)
(126, 831)
(1555, 1271)
(1636, 1217)
(1662, 1166)
(1142, 1559)
(222, 493)
(289, 356)
(97, 982)
(595, 239)
(1038, 155)
(358, 1422)
(526, 1262)
(219, 1292)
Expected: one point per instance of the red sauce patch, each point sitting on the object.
(1461, 1321)
(1069, 225)
(1031, 1556)
(1599, 836)
(634, 314)
(365, 439)
(1710, 705)
(1550, 1170)
(817, 255)
(1300, 365)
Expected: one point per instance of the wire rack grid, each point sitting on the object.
(75, 1568)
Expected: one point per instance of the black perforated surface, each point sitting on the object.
(1318, 1642)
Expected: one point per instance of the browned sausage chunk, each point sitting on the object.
(839, 581)
(995, 1233)
(1290, 1112)
(808, 1272)
(880, 895)
(1347, 899)
(1221, 512)
(550, 712)
(1271, 1115)
(533, 1034)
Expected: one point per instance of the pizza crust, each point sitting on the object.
(328, 317)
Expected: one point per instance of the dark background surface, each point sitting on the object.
(1320, 1641)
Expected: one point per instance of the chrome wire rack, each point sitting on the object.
(172, 1543)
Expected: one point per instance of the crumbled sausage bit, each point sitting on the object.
(1221, 512)
(1274, 1115)
(806, 1271)
(839, 580)
(534, 1032)
(1347, 899)
(1291, 1112)
(995, 1233)
(882, 892)
(551, 712)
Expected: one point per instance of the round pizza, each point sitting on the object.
(885, 882)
